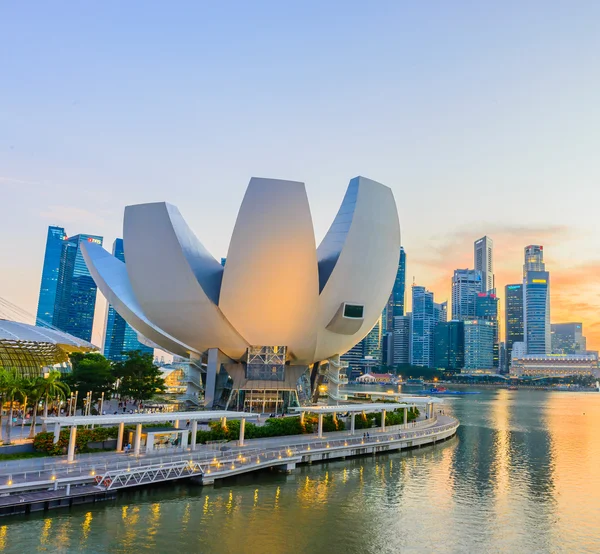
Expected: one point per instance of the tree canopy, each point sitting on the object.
(138, 377)
(90, 372)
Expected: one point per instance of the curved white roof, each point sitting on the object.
(23, 332)
(277, 288)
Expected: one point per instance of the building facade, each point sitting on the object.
(449, 349)
(423, 323)
(567, 338)
(76, 290)
(514, 326)
(47, 298)
(479, 346)
(536, 312)
(484, 262)
(401, 340)
(487, 308)
(561, 365)
(466, 285)
(119, 336)
(396, 306)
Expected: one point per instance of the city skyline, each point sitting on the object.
(451, 121)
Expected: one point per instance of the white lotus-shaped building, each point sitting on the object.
(278, 300)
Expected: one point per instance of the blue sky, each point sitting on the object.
(483, 118)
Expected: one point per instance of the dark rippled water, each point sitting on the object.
(523, 475)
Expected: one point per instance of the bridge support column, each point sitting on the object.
(176, 424)
(56, 433)
(301, 418)
(352, 423)
(137, 440)
(406, 418)
(223, 422)
(242, 431)
(383, 413)
(72, 437)
(194, 433)
(320, 435)
(212, 370)
(120, 436)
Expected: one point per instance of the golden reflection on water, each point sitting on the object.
(85, 527)
(205, 507)
(131, 522)
(277, 495)
(3, 531)
(255, 498)
(45, 531)
(574, 424)
(229, 503)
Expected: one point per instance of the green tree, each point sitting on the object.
(52, 387)
(91, 372)
(139, 379)
(33, 390)
(14, 386)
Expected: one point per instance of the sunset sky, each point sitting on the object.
(483, 118)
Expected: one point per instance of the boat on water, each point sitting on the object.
(513, 387)
(444, 390)
(414, 382)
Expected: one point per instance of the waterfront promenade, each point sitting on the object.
(22, 481)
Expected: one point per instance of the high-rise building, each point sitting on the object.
(479, 346)
(373, 342)
(514, 318)
(534, 259)
(76, 290)
(395, 306)
(567, 338)
(449, 350)
(486, 307)
(423, 325)
(401, 340)
(47, 298)
(536, 312)
(120, 337)
(440, 311)
(353, 358)
(484, 262)
(466, 285)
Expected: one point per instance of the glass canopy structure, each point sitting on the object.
(31, 351)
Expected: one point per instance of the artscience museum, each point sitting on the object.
(266, 327)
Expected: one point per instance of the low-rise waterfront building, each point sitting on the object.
(554, 365)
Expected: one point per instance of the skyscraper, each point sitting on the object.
(120, 337)
(76, 290)
(514, 318)
(401, 340)
(567, 338)
(466, 285)
(47, 298)
(450, 346)
(440, 312)
(479, 343)
(536, 302)
(534, 259)
(395, 306)
(373, 342)
(484, 262)
(486, 307)
(423, 326)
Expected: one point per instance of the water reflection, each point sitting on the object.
(521, 477)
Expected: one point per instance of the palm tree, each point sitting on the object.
(3, 379)
(34, 393)
(52, 387)
(14, 385)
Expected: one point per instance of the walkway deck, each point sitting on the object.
(19, 484)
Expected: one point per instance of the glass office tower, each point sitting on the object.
(120, 337)
(514, 318)
(76, 290)
(423, 326)
(396, 304)
(54, 244)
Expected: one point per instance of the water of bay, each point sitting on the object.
(522, 475)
